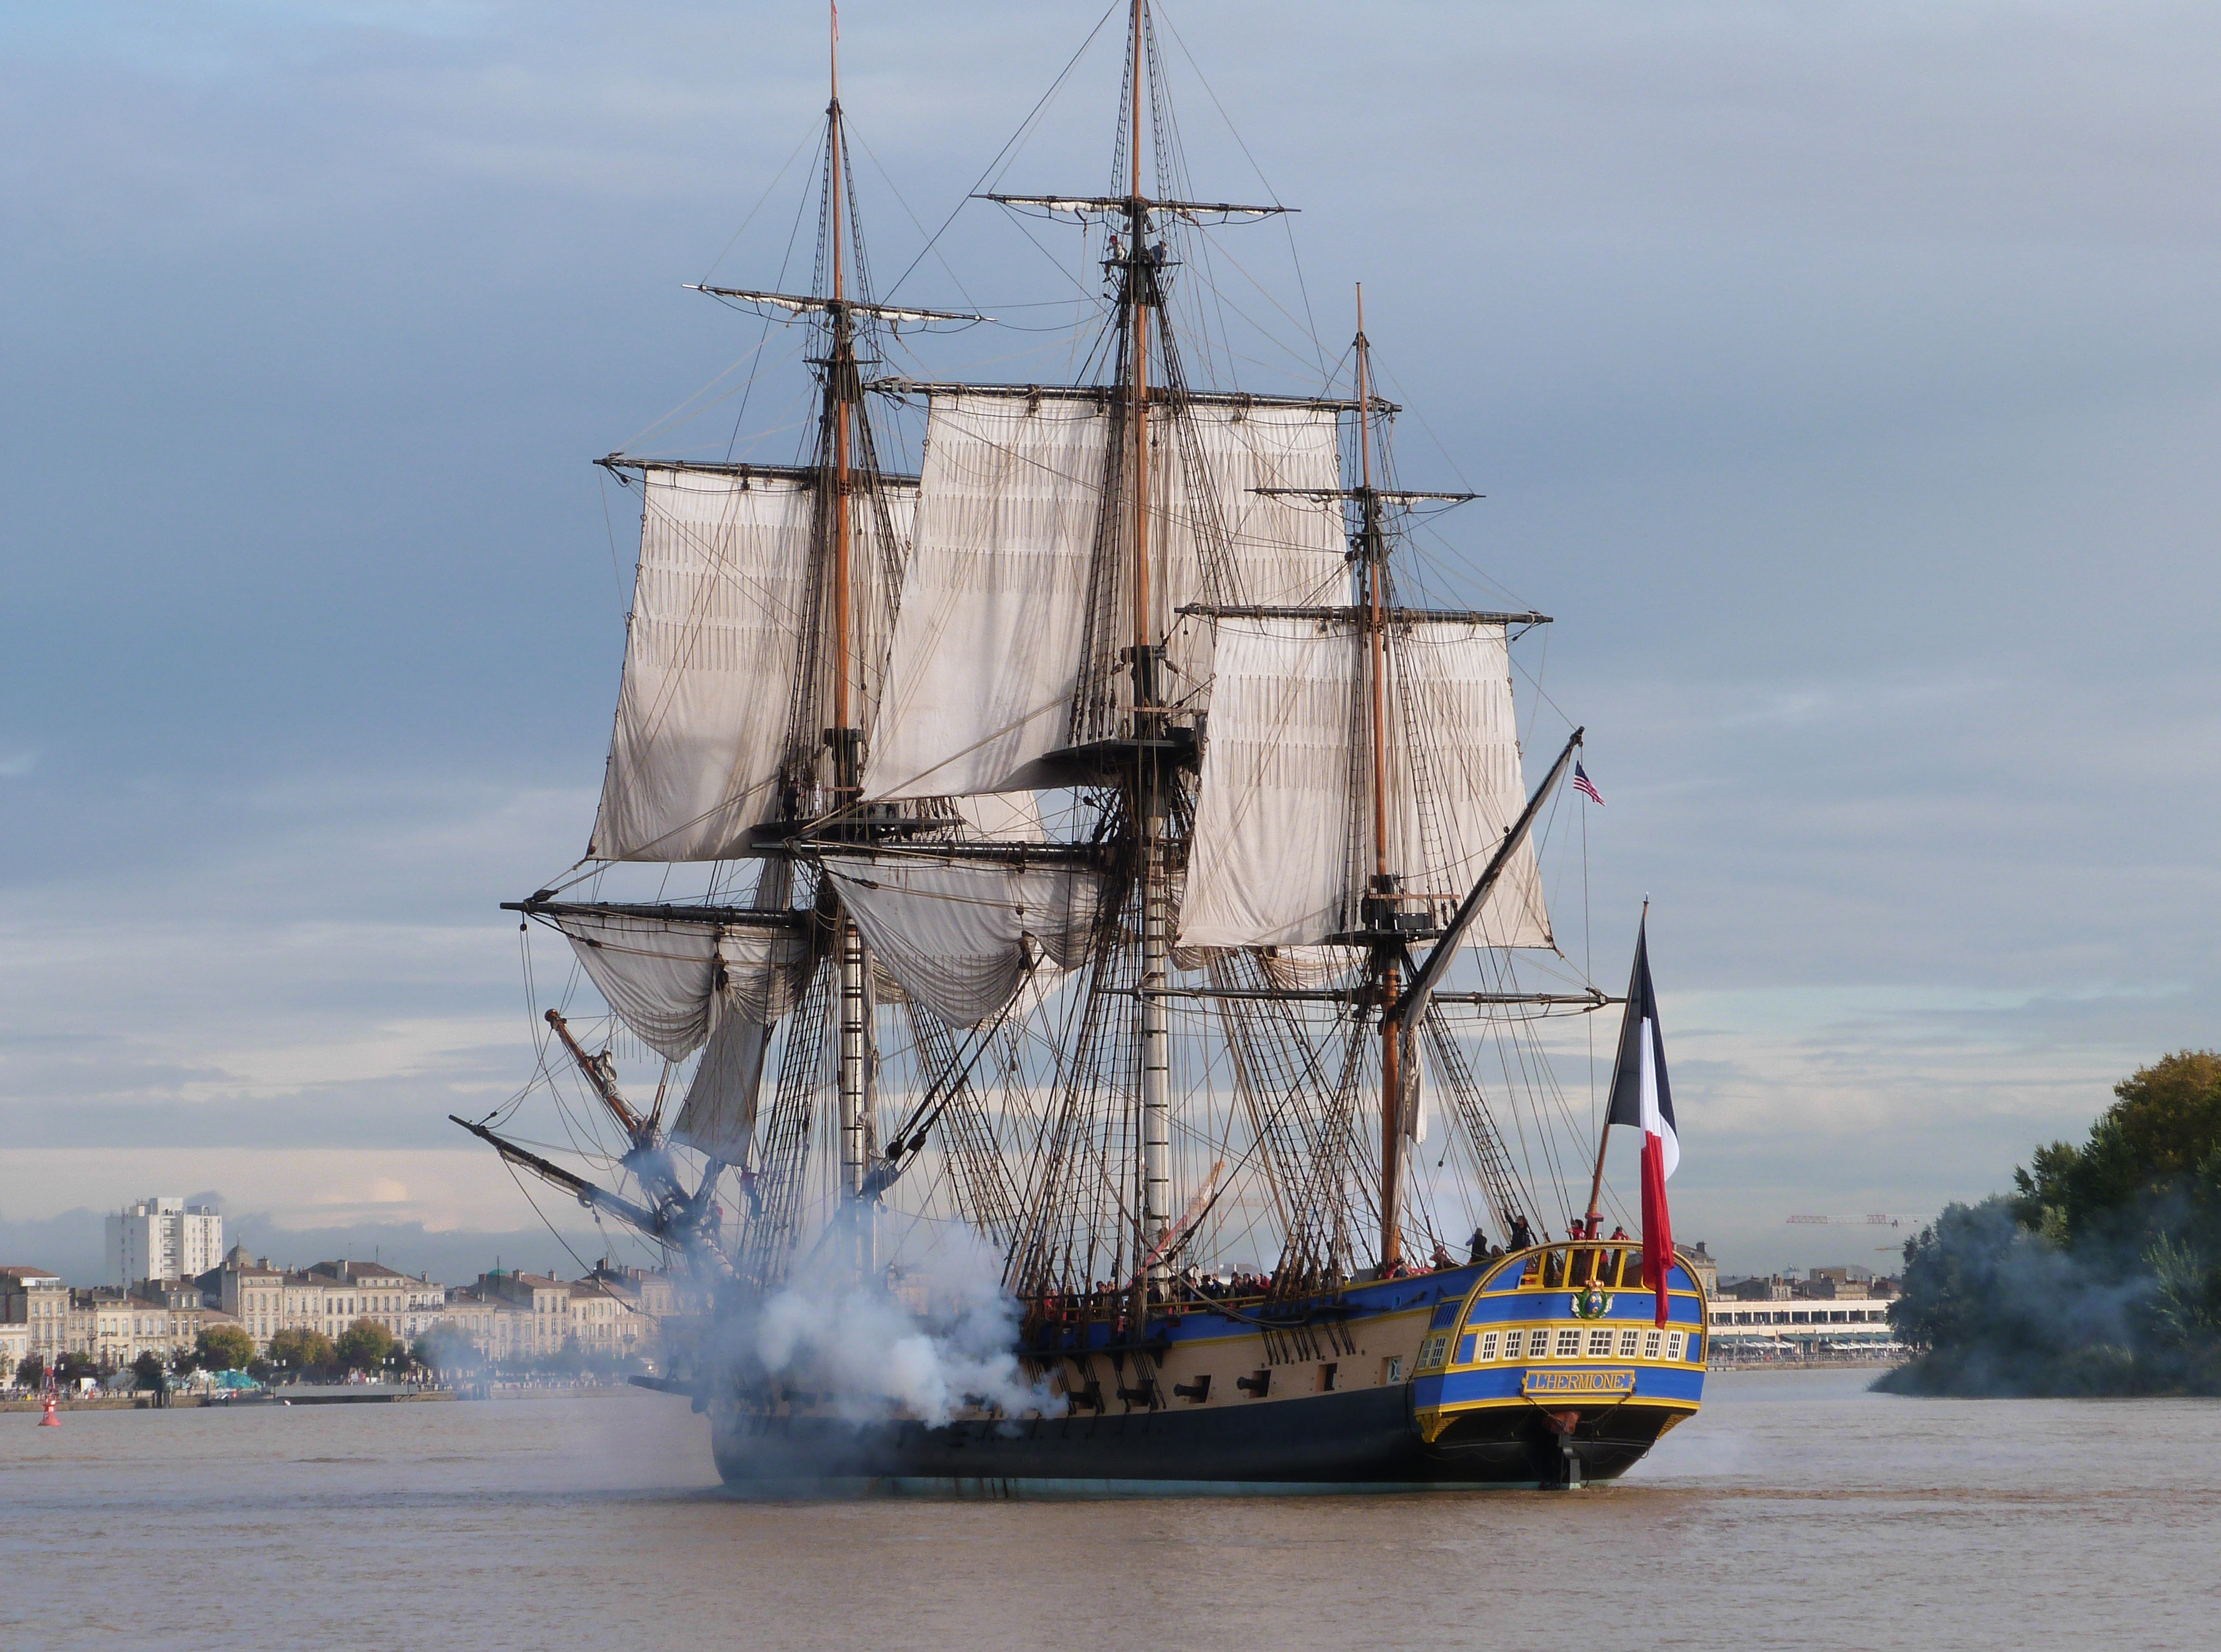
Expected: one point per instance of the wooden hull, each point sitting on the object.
(1368, 1440)
(1382, 1388)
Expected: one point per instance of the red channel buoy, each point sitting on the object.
(50, 1420)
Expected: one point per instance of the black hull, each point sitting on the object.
(1364, 1440)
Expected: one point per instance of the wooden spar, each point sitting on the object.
(847, 782)
(840, 375)
(1375, 604)
(1138, 386)
(1153, 1208)
(603, 1086)
(1376, 631)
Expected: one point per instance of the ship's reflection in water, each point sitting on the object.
(1803, 1512)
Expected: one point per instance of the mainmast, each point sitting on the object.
(846, 740)
(1141, 294)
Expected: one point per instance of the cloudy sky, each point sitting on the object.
(1846, 380)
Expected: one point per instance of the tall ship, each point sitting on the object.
(1077, 906)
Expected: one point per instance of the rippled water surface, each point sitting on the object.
(1797, 1509)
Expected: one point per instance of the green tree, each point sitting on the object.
(364, 1345)
(70, 1367)
(223, 1348)
(307, 1353)
(2163, 1127)
(31, 1371)
(148, 1369)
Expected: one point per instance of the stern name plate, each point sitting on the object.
(1577, 1382)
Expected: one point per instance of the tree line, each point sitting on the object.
(2100, 1274)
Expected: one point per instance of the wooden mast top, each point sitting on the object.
(1376, 602)
(1138, 372)
(840, 377)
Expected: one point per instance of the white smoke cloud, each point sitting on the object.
(939, 1341)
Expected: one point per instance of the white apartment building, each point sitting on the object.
(162, 1239)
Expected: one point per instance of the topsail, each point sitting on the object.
(1016, 556)
(1284, 844)
(709, 718)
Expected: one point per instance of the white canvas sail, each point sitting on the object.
(1277, 551)
(719, 1115)
(672, 982)
(1284, 829)
(988, 640)
(763, 975)
(962, 936)
(712, 650)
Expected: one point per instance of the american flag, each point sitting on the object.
(1586, 787)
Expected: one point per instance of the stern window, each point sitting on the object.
(1650, 1341)
(1672, 1344)
(1627, 1342)
(1569, 1343)
(1538, 1342)
(1599, 1343)
(1488, 1345)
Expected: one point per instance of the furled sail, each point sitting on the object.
(763, 976)
(715, 644)
(993, 623)
(672, 982)
(1284, 829)
(719, 1115)
(962, 937)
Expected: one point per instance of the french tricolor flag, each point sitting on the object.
(1639, 1097)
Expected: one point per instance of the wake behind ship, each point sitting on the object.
(1109, 860)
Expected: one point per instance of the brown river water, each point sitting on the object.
(1797, 1511)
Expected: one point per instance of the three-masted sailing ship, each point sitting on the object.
(1099, 843)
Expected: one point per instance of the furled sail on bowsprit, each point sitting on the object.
(1284, 838)
(1015, 554)
(717, 696)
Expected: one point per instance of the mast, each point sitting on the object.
(1155, 1031)
(1384, 883)
(840, 386)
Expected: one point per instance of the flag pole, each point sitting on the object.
(1604, 1135)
